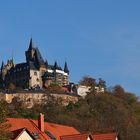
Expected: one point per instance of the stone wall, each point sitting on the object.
(31, 98)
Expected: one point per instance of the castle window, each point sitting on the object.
(35, 73)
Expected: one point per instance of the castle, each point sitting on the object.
(33, 73)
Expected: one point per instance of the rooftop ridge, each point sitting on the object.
(76, 134)
(37, 128)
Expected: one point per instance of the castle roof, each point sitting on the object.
(66, 68)
(39, 57)
(31, 45)
(32, 66)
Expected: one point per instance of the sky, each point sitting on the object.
(99, 38)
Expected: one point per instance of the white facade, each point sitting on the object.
(83, 90)
(24, 136)
(35, 79)
(88, 138)
(99, 89)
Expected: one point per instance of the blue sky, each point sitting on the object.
(100, 38)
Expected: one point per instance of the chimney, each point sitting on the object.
(41, 122)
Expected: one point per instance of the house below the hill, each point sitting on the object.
(107, 136)
(28, 129)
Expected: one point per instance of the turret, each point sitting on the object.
(46, 63)
(2, 65)
(30, 53)
(30, 45)
(66, 68)
(10, 64)
(55, 65)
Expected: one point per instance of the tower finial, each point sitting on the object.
(31, 44)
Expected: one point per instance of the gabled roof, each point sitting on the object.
(32, 126)
(17, 133)
(76, 137)
(108, 136)
(59, 130)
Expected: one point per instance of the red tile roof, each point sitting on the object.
(75, 137)
(32, 126)
(108, 136)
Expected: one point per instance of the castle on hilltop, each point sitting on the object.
(35, 72)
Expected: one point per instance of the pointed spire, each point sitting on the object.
(55, 65)
(12, 57)
(2, 65)
(66, 68)
(46, 62)
(31, 44)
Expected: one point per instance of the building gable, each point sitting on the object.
(22, 134)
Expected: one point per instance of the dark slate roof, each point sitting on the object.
(46, 63)
(39, 57)
(32, 66)
(59, 68)
(30, 45)
(48, 74)
(56, 66)
(2, 65)
(66, 68)
(21, 65)
(51, 67)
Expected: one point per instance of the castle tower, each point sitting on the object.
(55, 65)
(30, 53)
(2, 66)
(66, 75)
(66, 68)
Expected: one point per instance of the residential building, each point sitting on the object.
(28, 129)
(22, 134)
(106, 136)
(84, 90)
